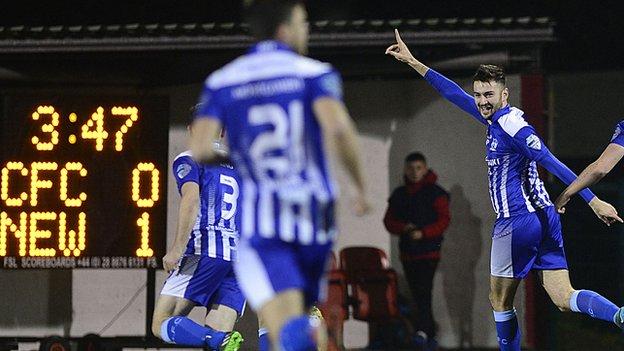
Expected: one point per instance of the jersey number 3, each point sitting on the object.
(230, 200)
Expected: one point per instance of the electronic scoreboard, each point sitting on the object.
(83, 181)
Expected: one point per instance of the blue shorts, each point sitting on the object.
(266, 267)
(206, 281)
(528, 241)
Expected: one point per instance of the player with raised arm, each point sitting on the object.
(280, 110)
(200, 262)
(527, 232)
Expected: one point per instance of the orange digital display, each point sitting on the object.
(82, 182)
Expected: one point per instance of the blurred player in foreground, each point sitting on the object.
(280, 110)
(527, 232)
(200, 262)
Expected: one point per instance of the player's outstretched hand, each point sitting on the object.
(400, 51)
(171, 261)
(561, 201)
(361, 206)
(607, 213)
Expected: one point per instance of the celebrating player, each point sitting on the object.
(201, 264)
(279, 108)
(527, 232)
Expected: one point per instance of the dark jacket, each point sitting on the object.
(424, 204)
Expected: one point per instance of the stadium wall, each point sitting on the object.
(589, 101)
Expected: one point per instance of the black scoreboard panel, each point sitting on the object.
(83, 181)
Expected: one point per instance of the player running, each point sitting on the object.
(278, 108)
(527, 232)
(201, 264)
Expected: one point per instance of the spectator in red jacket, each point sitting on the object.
(418, 212)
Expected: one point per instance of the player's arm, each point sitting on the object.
(186, 174)
(595, 171)
(337, 128)
(187, 215)
(529, 144)
(339, 131)
(605, 211)
(446, 87)
(592, 174)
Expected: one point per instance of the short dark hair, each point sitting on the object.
(489, 73)
(265, 16)
(415, 156)
(192, 113)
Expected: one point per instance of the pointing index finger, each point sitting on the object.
(397, 36)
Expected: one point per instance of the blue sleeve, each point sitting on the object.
(618, 136)
(454, 93)
(325, 85)
(209, 105)
(185, 169)
(532, 147)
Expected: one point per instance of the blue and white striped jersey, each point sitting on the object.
(264, 100)
(513, 150)
(215, 233)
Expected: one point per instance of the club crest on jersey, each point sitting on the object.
(331, 84)
(534, 142)
(493, 144)
(183, 170)
(618, 131)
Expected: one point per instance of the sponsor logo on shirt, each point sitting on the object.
(492, 162)
(183, 170)
(618, 131)
(534, 142)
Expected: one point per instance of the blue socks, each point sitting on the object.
(297, 335)
(591, 303)
(264, 344)
(583, 301)
(507, 330)
(184, 331)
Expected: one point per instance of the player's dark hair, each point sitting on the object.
(415, 156)
(265, 16)
(192, 113)
(489, 73)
